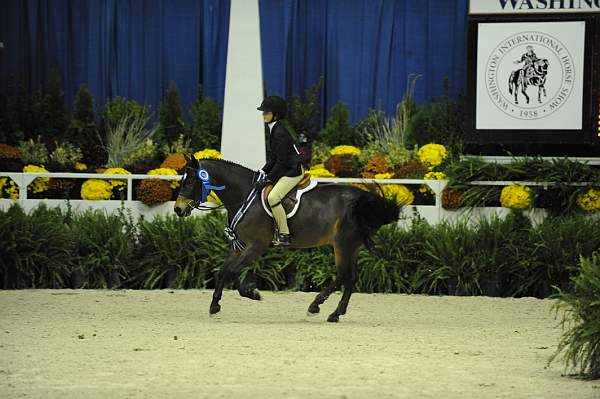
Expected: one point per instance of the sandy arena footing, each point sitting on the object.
(158, 344)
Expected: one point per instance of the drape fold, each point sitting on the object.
(129, 48)
(365, 49)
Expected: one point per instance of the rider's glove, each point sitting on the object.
(259, 185)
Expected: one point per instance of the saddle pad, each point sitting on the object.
(289, 204)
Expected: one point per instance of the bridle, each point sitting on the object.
(204, 178)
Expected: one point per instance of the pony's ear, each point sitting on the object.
(188, 158)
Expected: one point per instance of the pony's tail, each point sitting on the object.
(369, 211)
(510, 82)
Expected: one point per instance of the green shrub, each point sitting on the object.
(205, 124)
(125, 138)
(82, 130)
(498, 257)
(337, 130)
(441, 122)
(368, 127)
(170, 255)
(449, 255)
(146, 153)
(179, 146)
(33, 152)
(117, 108)
(320, 153)
(379, 270)
(55, 113)
(170, 117)
(10, 127)
(580, 343)
(315, 268)
(394, 131)
(37, 249)
(303, 115)
(66, 155)
(548, 254)
(105, 247)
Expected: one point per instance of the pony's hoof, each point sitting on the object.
(313, 310)
(214, 309)
(311, 314)
(333, 318)
(255, 295)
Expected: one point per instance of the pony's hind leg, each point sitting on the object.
(322, 296)
(349, 281)
(346, 255)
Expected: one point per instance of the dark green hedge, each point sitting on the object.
(510, 257)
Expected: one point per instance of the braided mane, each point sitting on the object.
(228, 163)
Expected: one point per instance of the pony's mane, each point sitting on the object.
(225, 161)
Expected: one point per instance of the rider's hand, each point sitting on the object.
(259, 185)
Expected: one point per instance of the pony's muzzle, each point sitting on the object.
(182, 207)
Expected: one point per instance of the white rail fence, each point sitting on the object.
(432, 213)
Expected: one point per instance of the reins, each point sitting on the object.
(199, 204)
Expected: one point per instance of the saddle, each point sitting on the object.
(291, 201)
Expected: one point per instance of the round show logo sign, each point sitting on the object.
(529, 75)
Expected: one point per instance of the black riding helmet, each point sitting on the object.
(274, 104)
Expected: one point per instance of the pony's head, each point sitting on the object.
(190, 189)
(207, 178)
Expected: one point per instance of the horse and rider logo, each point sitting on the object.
(529, 75)
(533, 73)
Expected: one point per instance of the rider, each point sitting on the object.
(284, 168)
(529, 57)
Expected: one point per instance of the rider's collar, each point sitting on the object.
(271, 124)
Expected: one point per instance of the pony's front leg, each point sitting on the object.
(248, 290)
(230, 272)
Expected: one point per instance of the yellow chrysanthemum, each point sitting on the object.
(80, 166)
(319, 170)
(384, 175)
(399, 193)
(434, 176)
(166, 171)
(8, 189)
(207, 153)
(432, 155)
(515, 196)
(589, 201)
(345, 150)
(40, 184)
(431, 176)
(96, 189)
(119, 184)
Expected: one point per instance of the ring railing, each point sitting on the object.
(24, 179)
(434, 212)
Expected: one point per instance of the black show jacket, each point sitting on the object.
(285, 159)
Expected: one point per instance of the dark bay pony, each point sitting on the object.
(340, 215)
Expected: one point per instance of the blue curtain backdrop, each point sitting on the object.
(129, 48)
(365, 49)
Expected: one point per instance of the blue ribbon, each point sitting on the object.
(206, 187)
